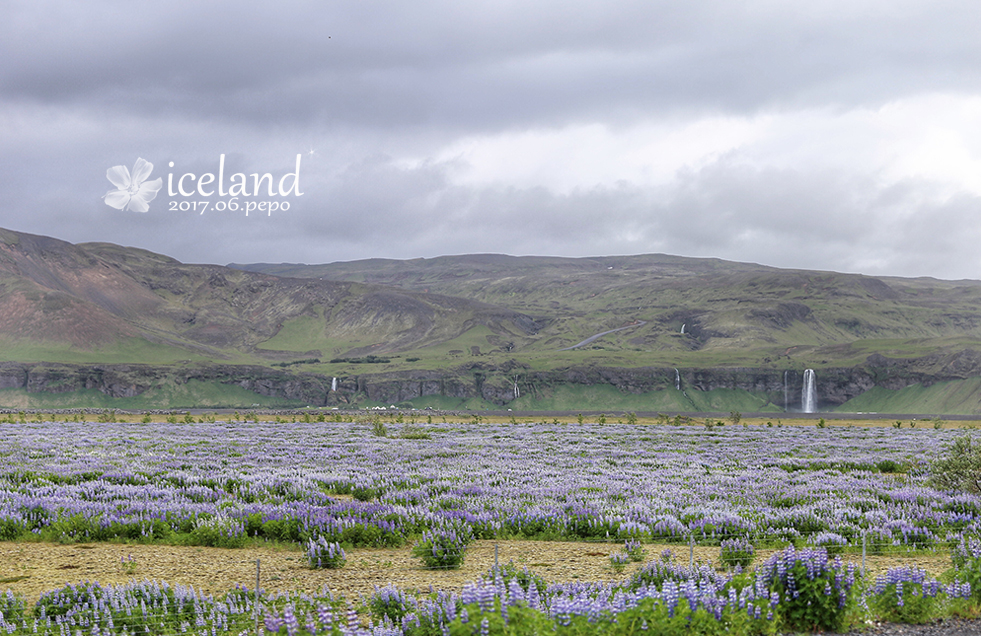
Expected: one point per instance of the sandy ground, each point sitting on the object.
(33, 568)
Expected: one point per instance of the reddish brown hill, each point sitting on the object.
(92, 295)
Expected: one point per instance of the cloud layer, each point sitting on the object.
(831, 135)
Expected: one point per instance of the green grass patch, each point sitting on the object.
(572, 397)
(125, 351)
(304, 333)
(192, 394)
(960, 397)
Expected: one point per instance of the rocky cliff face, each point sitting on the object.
(131, 380)
(782, 387)
(495, 384)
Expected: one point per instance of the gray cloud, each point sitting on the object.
(380, 90)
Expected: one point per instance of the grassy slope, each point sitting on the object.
(960, 397)
(193, 394)
(736, 314)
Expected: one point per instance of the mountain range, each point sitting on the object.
(96, 322)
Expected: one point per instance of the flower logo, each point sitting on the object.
(134, 192)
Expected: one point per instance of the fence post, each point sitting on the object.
(496, 546)
(257, 633)
(691, 551)
(863, 554)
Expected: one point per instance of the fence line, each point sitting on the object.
(247, 609)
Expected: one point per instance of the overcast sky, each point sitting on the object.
(838, 135)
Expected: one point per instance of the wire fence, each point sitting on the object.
(212, 591)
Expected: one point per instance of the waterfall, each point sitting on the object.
(517, 393)
(677, 380)
(786, 392)
(808, 394)
(333, 384)
(683, 328)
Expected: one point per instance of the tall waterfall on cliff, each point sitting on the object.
(333, 384)
(683, 328)
(808, 395)
(677, 380)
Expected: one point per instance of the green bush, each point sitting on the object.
(286, 529)
(12, 607)
(443, 548)
(392, 603)
(905, 595)
(966, 557)
(219, 532)
(325, 554)
(959, 468)
(736, 552)
(11, 528)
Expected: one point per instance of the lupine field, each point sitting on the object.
(810, 493)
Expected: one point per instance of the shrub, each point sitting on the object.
(443, 548)
(736, 552)
(391, 602)
(219, 532)
(413, 432)
(635, 550)
(11, 528)
(966, 557)
(12, 607)
(524, 577)
(905, 595)
(959, 468)
(814, 593)
(830, 541)
(325, 554)
(656, 573)
(619, 561)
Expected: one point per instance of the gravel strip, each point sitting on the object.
(950, 627)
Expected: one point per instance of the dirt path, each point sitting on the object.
(33, 568)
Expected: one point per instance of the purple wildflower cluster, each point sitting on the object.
(906, 580)
(736, 552)
(619, 561)
(635, 550)
(320, 618)
(812, 589)
(966, 556)
(564, 603)
(134, 608)
(908, 594)
(833, 543)
(444, 547)
(220, 483)
(391, 603)
(325, 554)
(968, 550)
